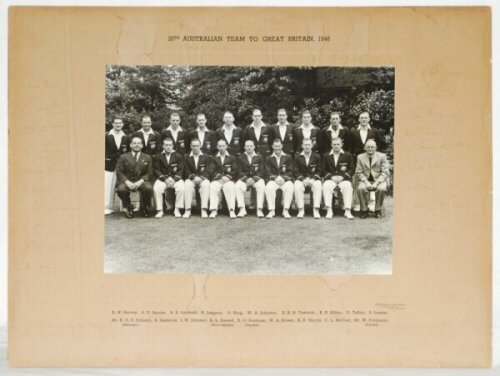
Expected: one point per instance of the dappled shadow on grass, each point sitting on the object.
(249, 245)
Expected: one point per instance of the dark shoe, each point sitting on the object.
(363, 214)
(130, 211)
(378, 214)
(145, 214)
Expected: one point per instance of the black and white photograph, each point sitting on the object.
(249, 170)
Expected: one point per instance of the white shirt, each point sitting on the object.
(228, 133)
(174, 133)
(336, 156)
(282, 129)
(117, 136)
(363, 132)
(195, 157)
(201, 135)
(167, 156)
(278, 159)
(335, 133)
(222, 157)
(249, 157)
(136, 155)
(146, 135)
(306, 131)
(257, 130)
(306, 157)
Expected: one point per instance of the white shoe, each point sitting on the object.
(270, 214)
(108, 211)
(204, 213)
(213, 214)
(286, 214)
(187, 213)
(232, 214)
(242, 213)
(177, 213)
(316, 213)
(301, 213)
(356, 208)
(260, 214)
(348, 214)
(159, 214)
(329, 213)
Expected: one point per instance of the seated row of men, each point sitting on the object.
(262, 134)
(234, 175)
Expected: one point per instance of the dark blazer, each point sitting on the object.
(326, 139)
(180, 145)
(263, 144)
(288, 141)
(299, 137)
(229, 168)
(254, 170)
(154, 142)
(285, 168)
(235, 147)
(128, 169)
(344, 167)
(357, 145)
(209, 145)
(163, 170)
(203, 170)
(112, 153)
(312, 170)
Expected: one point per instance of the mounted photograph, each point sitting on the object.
(249, 170)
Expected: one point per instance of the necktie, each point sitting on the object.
(136, 157)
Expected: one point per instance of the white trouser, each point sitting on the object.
(229, 194)
(160, 187)
(204, 188)
(241, 187)
(109, 189)
(300, 188)
(345, 188)
(271, 189)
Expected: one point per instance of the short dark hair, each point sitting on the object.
(195, 139)
(277, 140)
(168, 139)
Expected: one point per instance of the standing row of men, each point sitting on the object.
(302, 163)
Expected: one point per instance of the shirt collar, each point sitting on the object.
(199, 130)
(170, 128)
(275, 156)
(192, 155)
(219, 154)
(253, 125)
(341, 151)
(231, 128)
(116, 133)
(330, 128)
(304, 154)
(251, 156)
(311, 127)
(286, 123)
(150, 131)
(368, 127)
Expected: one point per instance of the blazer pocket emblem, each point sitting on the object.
(283, 168)
(236, 141)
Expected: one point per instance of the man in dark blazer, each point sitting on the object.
(134, 171)
(279, 175)
(232, 134)
(205, 135)
(223, 172)
(307, 130)
(260, 133)
(362, 133)
(308, 173)
(372, 170)
(250, 175)
(150, 138)
(176, 133)
(168, 168)
(116, 143)
(284, 131)
(196, 174)
(335, 129)
(338, 167)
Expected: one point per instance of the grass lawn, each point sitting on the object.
(250, 245)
